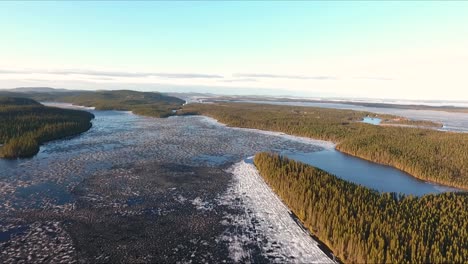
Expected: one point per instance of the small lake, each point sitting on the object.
(376, 176)
(372, 120)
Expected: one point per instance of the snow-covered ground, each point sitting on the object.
(264, 222)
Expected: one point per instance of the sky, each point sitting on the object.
(402, 50)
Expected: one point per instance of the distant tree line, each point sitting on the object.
(444, 108)
(25, 124)
(363, 226)
(431, 155)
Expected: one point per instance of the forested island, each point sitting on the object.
(143, 103)
(364, 226)
(430, 155)
(25, 124)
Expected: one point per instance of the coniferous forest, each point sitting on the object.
(25, 124)
(427, 154)
(364, 226)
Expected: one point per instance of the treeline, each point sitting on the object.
(445, 108)
(431, 155)
(363, 226)
(25, 124)
(144, 103)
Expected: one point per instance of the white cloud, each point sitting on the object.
(284, 76)
(114, 73)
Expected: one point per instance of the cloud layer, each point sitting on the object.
(281, 76)
(117, 74)
(238, 77)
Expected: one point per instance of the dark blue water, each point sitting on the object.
(48, 190)
(6, 235)
(380, 177)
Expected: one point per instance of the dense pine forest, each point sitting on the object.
(361, 225)
(431, 155)
(143, 103)
(25, 124)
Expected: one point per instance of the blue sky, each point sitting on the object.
(412, 50)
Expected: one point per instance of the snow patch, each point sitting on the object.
(201, 205)
(181, 199)
(264, 221)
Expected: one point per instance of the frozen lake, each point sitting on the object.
(129, 170)
(123, 138)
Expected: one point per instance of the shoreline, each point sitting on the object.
(67, 105)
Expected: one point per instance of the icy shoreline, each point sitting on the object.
(264, 221)
(67, 106)
(305, 140)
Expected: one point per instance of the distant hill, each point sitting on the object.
(37, 90)
(16, 101)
